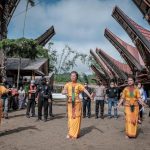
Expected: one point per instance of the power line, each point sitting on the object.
(23, 11)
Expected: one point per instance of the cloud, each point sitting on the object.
(78, 23)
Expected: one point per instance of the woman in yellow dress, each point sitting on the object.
(131, 97)
(2, 91)
(74, 106)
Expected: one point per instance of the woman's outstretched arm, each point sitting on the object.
(120, 102)
(64, 91)
(142, 102)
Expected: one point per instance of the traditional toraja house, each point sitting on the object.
(139, 35)
(112, 65)
(141, 39)
(37, 67)
(46, 36)
(115, 66)
(7, 8)
(129, 53)
(99, 74)
(144, 7)
(137, 58)
(108, 74)
(112, 73)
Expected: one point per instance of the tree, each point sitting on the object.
(52, 57)
(85, 78)
(68, 58)
(29, 48)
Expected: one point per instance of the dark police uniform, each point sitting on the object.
(86, 103)
(44, 93)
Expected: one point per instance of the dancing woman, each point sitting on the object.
(131, 96)
(72, 90)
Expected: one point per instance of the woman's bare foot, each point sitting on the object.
(139, 121)
(126, 137)
(68, 137)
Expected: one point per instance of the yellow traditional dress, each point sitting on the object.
(2, 91)
(131, 96)
(74, 108)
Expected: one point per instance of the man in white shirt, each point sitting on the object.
(99, 94)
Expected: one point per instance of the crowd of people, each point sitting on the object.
(132, 97)
(101, 96)
(110, 96)
(26, 97)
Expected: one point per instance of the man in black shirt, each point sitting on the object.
(112, 96)
(44, 94)
(86, 102)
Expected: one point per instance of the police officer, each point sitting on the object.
(44, 94)
(86, 102)
(50, 102)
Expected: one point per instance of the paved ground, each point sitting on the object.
(20, 133)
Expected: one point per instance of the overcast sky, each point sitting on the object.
(78, 23)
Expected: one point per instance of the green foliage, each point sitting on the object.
(52, 56)
(65, 77)
(24, 48)
(85, 78)
(90, 79)
(62, 78)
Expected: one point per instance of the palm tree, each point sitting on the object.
(32, 3)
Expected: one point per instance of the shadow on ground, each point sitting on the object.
(16, 130)
(89, 129)
(59, 116)
(15, 116)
